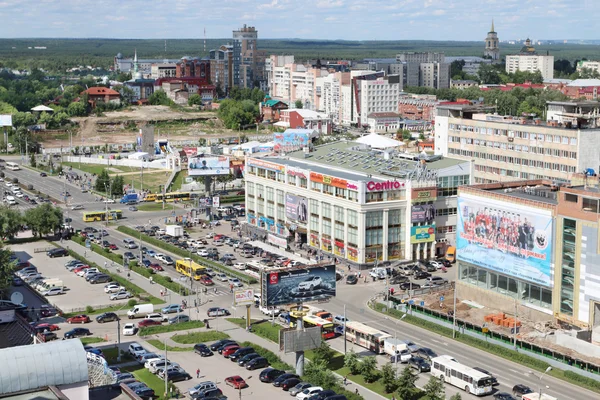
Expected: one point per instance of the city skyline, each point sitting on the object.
(312, 19)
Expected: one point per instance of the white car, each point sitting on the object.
(8, 184)
(53, 291)
(436, 264)
(77, 207)
(403, 357)
(210, 235)
(222, 277)
(113, 288)
(240, 265)
(310, 283)
(306, 393)
(135, 349)
(158, 317)
(270, 311)
(129, 330)
(123, 294)
(161, 365)
(203, 253)
(109, 201)
(339, 319)
(235, 282)
(160, 257)
(219, 242)
(88, 271)
(19, 194)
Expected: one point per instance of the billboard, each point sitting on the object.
(507, 238)
(296, 207)
(298, 285)
(5, 120)
(422, 213)
(422, 234)
(291, 139)
(198, 166)
(243, 297)
(292, 340)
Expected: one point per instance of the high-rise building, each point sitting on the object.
(221, 67)
(529, 60)
(248, 61)
(492, 50)
(425, 69)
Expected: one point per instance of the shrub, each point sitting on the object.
(15, 180)
(30, 187)
(132, 302)
(89, 309)
(274, 361)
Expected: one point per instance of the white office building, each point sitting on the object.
(530, 61)
(354, 203)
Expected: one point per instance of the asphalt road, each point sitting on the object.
(354, 298)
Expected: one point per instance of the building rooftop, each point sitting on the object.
(541, 192)
(357, 162)
(584, 82)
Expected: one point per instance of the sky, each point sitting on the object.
(304, 19)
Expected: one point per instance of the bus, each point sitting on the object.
(365, 336)
(94, 216)
(150, 197)
(451, 371)
(327, 328)
(12, 166)
(189, 268)
(175, 196)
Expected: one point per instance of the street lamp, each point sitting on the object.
(141, 254)
(541, 376)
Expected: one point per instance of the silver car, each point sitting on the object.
(123, 294)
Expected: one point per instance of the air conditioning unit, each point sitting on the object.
(510, 139)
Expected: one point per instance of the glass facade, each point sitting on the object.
(567, 276)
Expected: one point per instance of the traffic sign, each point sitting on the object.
(411, 302)
(441, 298)
(422, 303)
(512, 330)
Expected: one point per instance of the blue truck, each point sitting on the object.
(130, 198)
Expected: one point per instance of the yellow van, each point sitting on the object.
(451, 254)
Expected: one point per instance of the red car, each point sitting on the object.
(83, 234)
(156, 267)
(205, 280)
(113, 246)
(148, 322)
(229, 350)
(79, 269)
(79, 319)
(49, 327)
(237, 382)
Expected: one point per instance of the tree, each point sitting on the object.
(6, 269)
(44, 219)
(406, 384)
(434, 389)
(368, 369)
(10, 222)
(127, 94)
(319, 374)
(388, 378)
(116, 188)
(33, 161)
(195, 100)
(456, 397)
(224, 179)
(60, 119)
(323, 353)
(488, 74)
(299, 103)
(102, 181)
(404, 134)
(159, 98)
(352, 362)
(6, 108)
(76, 109)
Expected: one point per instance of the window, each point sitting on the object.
(352, 236)
(339, 231)
(339, 214)
(445, 211)
(571, 197)
(314, 223)
(250, 188)
(352, 217)
(395, 217)
(590, 205)
(270, 194)
(280, 197)
(326, 227)
(325, 210)
(374, 219)
(314, 207)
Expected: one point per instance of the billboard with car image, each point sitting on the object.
(311, 283)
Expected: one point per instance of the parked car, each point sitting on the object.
(290, 383)
(58, 252)
(113, 288)
(107, 317)
(419, 363)
(283, 377)
(178, 376)
(402, 356)
(237, 382)
(77, 332)
(79, 319)
(307, 393)
(426, 353)
(158, 317)
(229, 350)
(100, 278)
(220, 343)
(503, 396)
(172, 308)
(156, 267)
(352, 279)
(245, 359)
(203, 350)
(438, 280)
(48, 336)
(235, 282)
(422, 275)
(179, 318)
(136, 349)
(300, 387)
(409, 286)
(54, 291)
(130, 329)
(148, 322)
(270, 374)
(217, 312)
(47, 327)
(201, 387)
(222, 277)
(123, 294)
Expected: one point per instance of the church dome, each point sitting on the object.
(119, 56)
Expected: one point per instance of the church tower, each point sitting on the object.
(492, 49)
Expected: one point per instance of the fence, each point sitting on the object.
(156, 164)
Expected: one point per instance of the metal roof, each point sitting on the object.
(40, 365)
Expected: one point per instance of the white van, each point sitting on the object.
(140, 310)
(11, 201)
(15, 189)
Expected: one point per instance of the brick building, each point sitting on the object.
(271, 109)
(193, 67)
(419, 109)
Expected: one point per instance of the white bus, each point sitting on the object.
(12, 166)
(366, 336)
(451, 371)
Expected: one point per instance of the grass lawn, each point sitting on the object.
(199, 337)
(161, 346)
(114, 308)
(91, 340)
(151, 180)
(152, 330)
(262, 328)
(151, 380)
(110, 355)
(89, 168)
(151, 207)
(177, 182)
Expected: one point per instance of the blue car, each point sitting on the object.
(150, 253)
(170, 309)
(146, 262)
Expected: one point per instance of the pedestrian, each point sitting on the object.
(195, 303)
(129, 275)
(345, 380)
(198, 373)
(348, 267)
(356, 391)
(105, 263)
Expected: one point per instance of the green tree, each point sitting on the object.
(434, 389)
(76, 109)
(368, 369)
(159, 98)
(102, 181)
(488, 74)
(32, 160)
(456, 397)
(352, 362)
(406, 384)
(323, 353)
(195, 100)
(299, 103)
(404, 134)
(7, 268)
(60, 119)
(127, 94)
(319, 374)
(10, 222)
(117, 186)
(46, 118)
(421, 136)
(44, 219)
(6, 108)
(388, 378)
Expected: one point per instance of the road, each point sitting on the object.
(353, 297)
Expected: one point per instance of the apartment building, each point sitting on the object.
(417, 107)
(221, 67)
(163, 71)
(248, 61)
(425, 69)
(588, 65)
(528, 60)
(506, 148)
(378, 96)
(193, 67)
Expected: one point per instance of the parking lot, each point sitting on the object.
(79, 293)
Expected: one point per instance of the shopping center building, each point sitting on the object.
(534, 245)
(355, 203)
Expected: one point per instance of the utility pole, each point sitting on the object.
(345, 342)
(454, 314)
(515, 327)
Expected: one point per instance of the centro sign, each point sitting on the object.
(383, 186)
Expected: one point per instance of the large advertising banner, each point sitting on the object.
(298, 285)
(422, 234)
(507, 238)
(199, 166)
(296, 207)
(291, 140)
(422, 213)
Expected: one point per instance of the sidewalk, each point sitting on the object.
(241, 335)
(276, 250)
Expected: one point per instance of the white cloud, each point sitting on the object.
(331, 19)
(329, 3)
(439, 12)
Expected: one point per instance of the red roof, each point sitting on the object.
(101, 91)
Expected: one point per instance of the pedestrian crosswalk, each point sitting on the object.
(212, 293)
